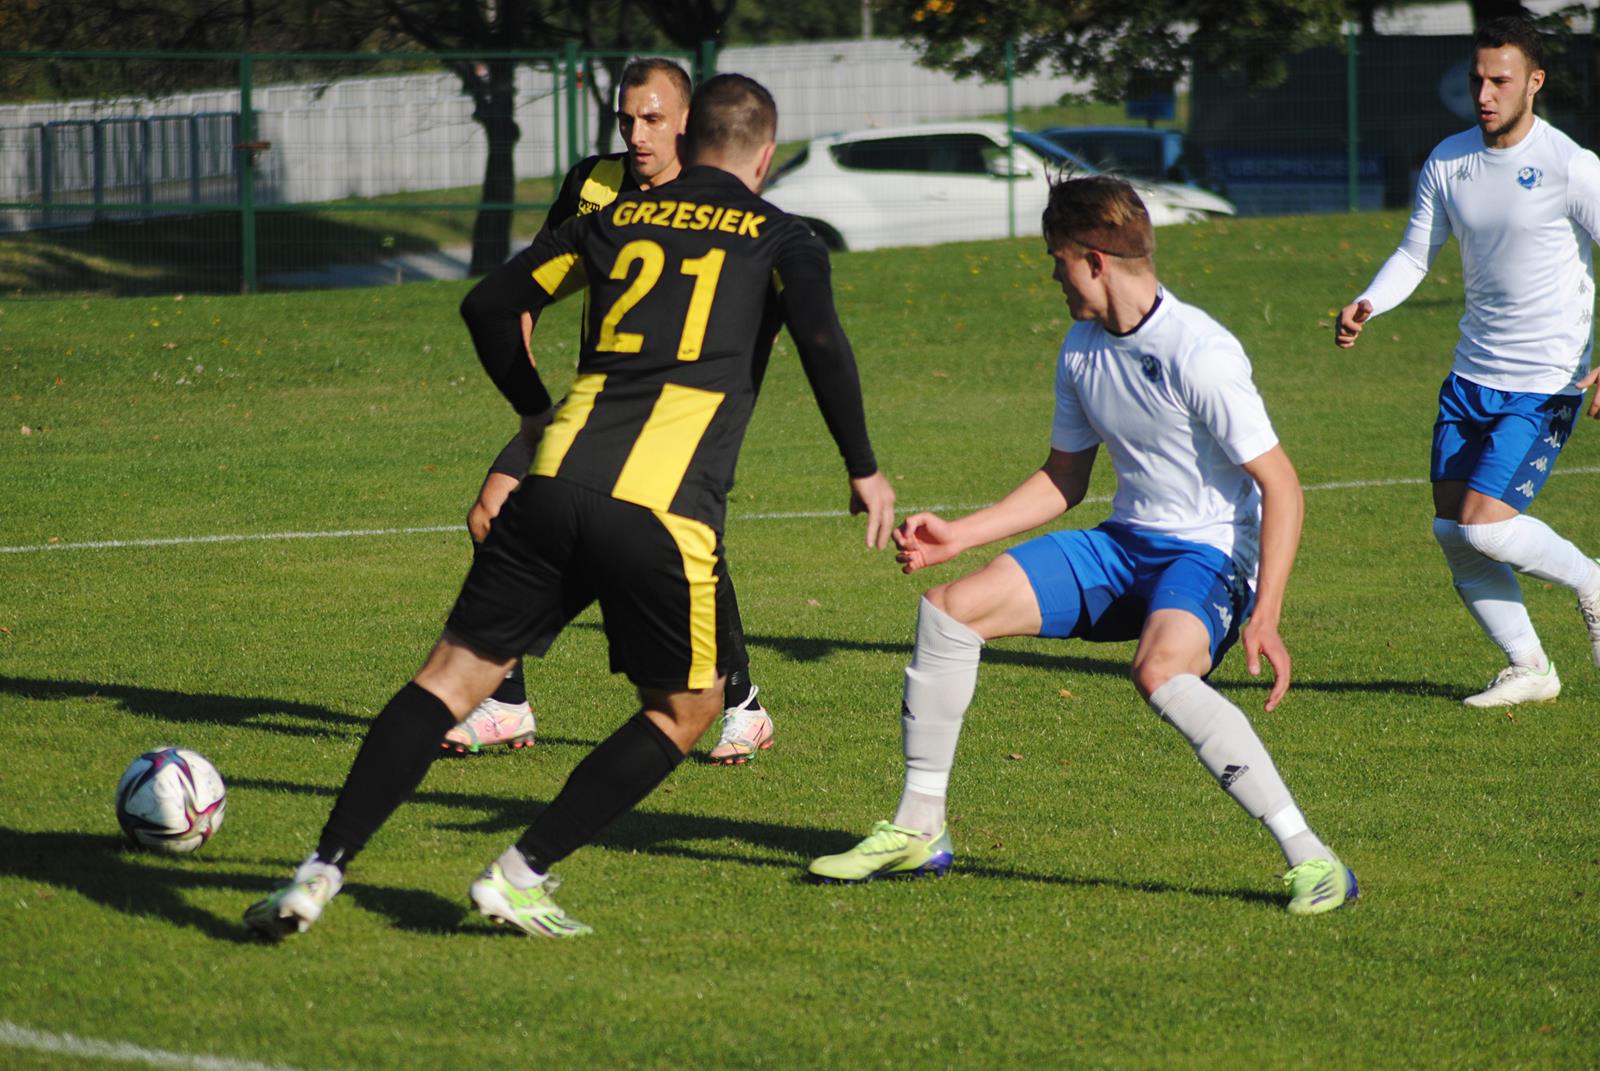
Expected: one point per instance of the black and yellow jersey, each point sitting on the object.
(590, 185)
(680, 281)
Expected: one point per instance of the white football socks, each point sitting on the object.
(514, 865)
(1226, 745)
(1489, 588)
(1530, 546)
(939, 685)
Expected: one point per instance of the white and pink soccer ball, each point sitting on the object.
(171, 799)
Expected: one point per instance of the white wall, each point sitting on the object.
(365, 137)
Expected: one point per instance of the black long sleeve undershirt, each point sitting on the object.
(826, 357)
(493, 313)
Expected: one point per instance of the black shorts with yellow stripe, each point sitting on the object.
(557, 547)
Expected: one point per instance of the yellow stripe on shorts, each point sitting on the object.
(697, 543)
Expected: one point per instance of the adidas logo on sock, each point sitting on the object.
(1231, 773)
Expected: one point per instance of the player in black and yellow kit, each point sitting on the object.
(626, 498)
(653, 106)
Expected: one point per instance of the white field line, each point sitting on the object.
(20, 1037)
(429, 529)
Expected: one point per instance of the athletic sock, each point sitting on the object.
(1295, 838)
(920, 811)
(939, 685)
(514, 689)
(616, 775)
(1226, 745)
(1530, 546)
(399, 747)
(1492, 595)
(514, 865)
(737, 691)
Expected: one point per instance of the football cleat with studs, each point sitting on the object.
(889, 851)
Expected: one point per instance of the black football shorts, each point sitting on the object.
(557, 546)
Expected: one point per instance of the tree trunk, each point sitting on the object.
(495, 112)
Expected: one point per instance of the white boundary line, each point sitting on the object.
(20, 1037)
(430, 529)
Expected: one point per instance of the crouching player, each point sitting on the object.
(1204, 490)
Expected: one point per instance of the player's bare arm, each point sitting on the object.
(926, 539)
(497, 487)
(1351, 319)
(1282, 514)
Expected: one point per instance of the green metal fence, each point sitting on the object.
(274, 170)
(207, 189)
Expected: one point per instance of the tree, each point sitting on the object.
(1112, 40)
(445, 26)
(431, 26)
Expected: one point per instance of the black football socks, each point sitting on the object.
(400, 746)
(624, 769)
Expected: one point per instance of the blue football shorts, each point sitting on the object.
(1504, 444)
(1100, 584)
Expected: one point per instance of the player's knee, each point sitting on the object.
(1150, 672)
(965, 603)
(1488, 539)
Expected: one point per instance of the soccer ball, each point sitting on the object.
(170, 799)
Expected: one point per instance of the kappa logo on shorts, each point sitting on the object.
(1151, 370)
(1542, 463)
(1525, 489)
(1529, 178)
(1224, 612)
(1232, 773)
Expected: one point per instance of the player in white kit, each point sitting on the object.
(1523, 200)
(1204, 491)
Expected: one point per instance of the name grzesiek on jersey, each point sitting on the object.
(688, 216)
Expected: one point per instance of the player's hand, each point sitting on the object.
(1262, 639)
(924, 539)
(874, 496)
(1584, 384)
(1351, 317)
(497, 487)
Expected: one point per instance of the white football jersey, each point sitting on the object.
(1175, 406)
(1526, 218)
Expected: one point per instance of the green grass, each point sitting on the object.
(202, 252)
(1110, 907)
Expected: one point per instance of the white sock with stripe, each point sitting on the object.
(940, 682)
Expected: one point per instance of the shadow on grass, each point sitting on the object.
(805, 649)
(815, 648)
(106, 870)
(109, 872)
(706, 838)
(168, 705)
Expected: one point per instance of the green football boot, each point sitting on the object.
(1319, 885)
(889, 851)
(530, 910)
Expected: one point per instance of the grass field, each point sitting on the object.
(1110, 907)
